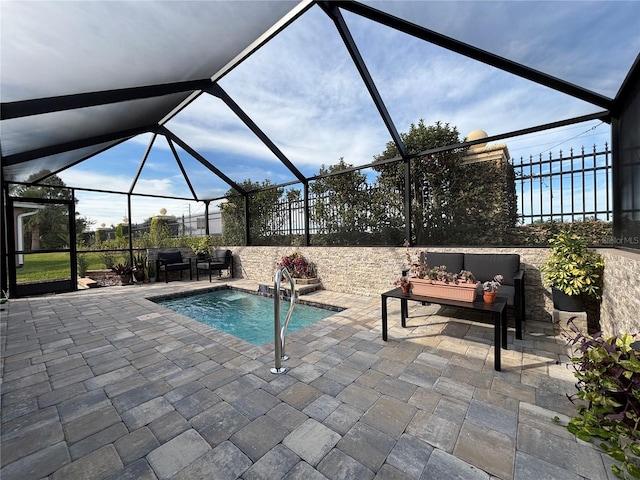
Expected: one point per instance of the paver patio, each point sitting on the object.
(107, 384)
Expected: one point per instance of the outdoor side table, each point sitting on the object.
(497, 310)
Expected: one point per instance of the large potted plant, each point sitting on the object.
(124, 271)
(573, 271)
(139, 262)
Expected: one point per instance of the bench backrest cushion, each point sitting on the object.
(220, 256)
(485, 266)
(453, 261)
(170, 257)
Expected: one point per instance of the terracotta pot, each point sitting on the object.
(489, 297)
(406, 287)
(139, 275)
(125, 279)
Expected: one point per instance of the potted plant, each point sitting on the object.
(573, 270)
(202, 246)
(403, 283)
(490, 288)
(139, 262)
(124, 270)
(298, 267)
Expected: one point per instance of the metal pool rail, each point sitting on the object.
(280, 332)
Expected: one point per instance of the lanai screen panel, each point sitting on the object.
(50, 49)
(589, 44)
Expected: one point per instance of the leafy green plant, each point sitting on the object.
(608, 373)
(140, 260)
(202, 245)
(572, 267)
(83, 265)
(108, 259)
(122, 269)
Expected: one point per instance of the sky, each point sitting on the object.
(304, 92)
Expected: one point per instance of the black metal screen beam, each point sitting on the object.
(408, 227)
(38, 106)
(75, 145)
(184, 172)
(629, 83)
(604, 116)
(247, 233)
(307, 230)
(4, 219)
(332, 11)
(475, 53)
(217, 91)
(206, 217)
(142, 162)
(172, 136)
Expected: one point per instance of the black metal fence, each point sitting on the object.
(565, 188)
(557, 188)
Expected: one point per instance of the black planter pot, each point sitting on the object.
(566, 303)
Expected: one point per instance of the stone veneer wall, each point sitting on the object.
(621, 296)
(370, 271)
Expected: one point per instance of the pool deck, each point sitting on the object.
(104, 383)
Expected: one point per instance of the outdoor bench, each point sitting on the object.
(484, 267)
(172, 262)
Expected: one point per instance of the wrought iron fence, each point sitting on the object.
(565, 188)
(554, 188)
(542, 190)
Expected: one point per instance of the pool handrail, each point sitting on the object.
(279, 333)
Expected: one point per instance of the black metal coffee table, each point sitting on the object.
(497, 310)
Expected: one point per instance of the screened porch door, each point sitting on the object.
(42, 246)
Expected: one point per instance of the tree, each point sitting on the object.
(49, 227)
(261, 208)
(340, 212)
(451, 202)
(433, 177)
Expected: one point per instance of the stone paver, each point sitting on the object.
(177, 454)
(99, 464)
(258, 437)
(106, 384)
(311, 441)
(367, 445)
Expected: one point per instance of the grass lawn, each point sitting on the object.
(51, 266)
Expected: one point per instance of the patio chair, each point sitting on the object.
(218, 261)
(172, 262)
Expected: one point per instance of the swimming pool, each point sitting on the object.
(243, 315)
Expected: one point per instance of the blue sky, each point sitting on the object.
(304, 92)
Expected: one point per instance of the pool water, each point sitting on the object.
(244, 315)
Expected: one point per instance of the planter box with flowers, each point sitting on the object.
(302, 271)
(437, 282)
(464, 291)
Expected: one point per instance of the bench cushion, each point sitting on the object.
(485, 266)
(170, 257)
(453, 261)
(219, 256)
